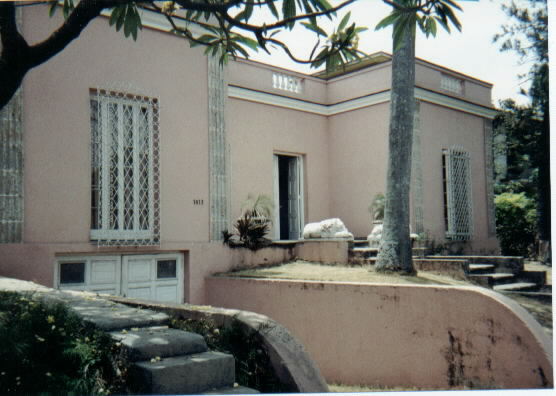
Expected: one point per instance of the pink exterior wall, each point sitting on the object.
(432, 337)
(358, 160)
(258, 76)
(57, 143)
(428, 75)
(256, 132)
(344, 154)
(360, 83)
(442, 128)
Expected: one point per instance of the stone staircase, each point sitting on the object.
(163, 360)
(502, 274)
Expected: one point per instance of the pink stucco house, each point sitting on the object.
(126, 161)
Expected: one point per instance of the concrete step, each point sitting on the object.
(512, 287)
(185, 374)
(151, 342)
(492, 279)
(481, 268)
(233, 390)
(360, 243)
(109, 316)
(365, 251)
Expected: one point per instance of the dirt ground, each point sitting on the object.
(304, 270)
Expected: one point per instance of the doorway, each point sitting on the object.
(288, 196)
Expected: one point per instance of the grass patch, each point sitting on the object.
(46, 348)
(305, 270)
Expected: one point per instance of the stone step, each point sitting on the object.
(150, 342)
(492, 279)
(109, 316)
(512, 287)
(481, 268)
(185, 374)
(363, 252)
(232, 390)
(360, 242)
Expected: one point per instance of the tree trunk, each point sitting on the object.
(395, 247)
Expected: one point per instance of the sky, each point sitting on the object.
(471, 51)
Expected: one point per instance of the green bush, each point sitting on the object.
(515, 223)
(45, 348)
(253, 367)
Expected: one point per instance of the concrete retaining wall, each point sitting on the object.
(435, 337)
(456, 269)
(326, 251)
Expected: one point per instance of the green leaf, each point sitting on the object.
(322, 5)
(53, 7)
(344, 21)
(121, 18)
(273, 8)
(314, 28)
(289, 10)
(240, 49)
(448, 11)
(452, 4)
(67, 8)
(253, 44)
(389, 20)
(129, 22)
(114, 16)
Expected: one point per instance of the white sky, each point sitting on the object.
(471, 52)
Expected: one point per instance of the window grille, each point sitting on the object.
(288, 83)
(451, 84)
(124, 169)
(457, 194)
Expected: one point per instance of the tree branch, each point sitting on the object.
(80, 17)
(255, 28)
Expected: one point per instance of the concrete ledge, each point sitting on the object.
(292, 364)
(326, 251)
(509, 264)
(456, 269)
(431, 337)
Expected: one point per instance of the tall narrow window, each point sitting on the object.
(457, 194)
(124, 171)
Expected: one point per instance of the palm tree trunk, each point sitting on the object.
(395, 246)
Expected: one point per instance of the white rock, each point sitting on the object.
(329, 228)
(376, 234)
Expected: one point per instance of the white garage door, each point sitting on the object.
(148, 277)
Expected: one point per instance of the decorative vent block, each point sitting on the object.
(286, 82)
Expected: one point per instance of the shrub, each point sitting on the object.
(376, 208)
(515, 223)
(46, 348)
(253, 368)
(253, 225)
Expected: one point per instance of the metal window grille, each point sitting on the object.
(457, 190)
(451, 84)
(286, 82)
(124, 169)
(11, 171)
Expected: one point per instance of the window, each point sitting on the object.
(124, 169)
(72, 273)
(165, 269)
(457, 194)
(451, 84)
